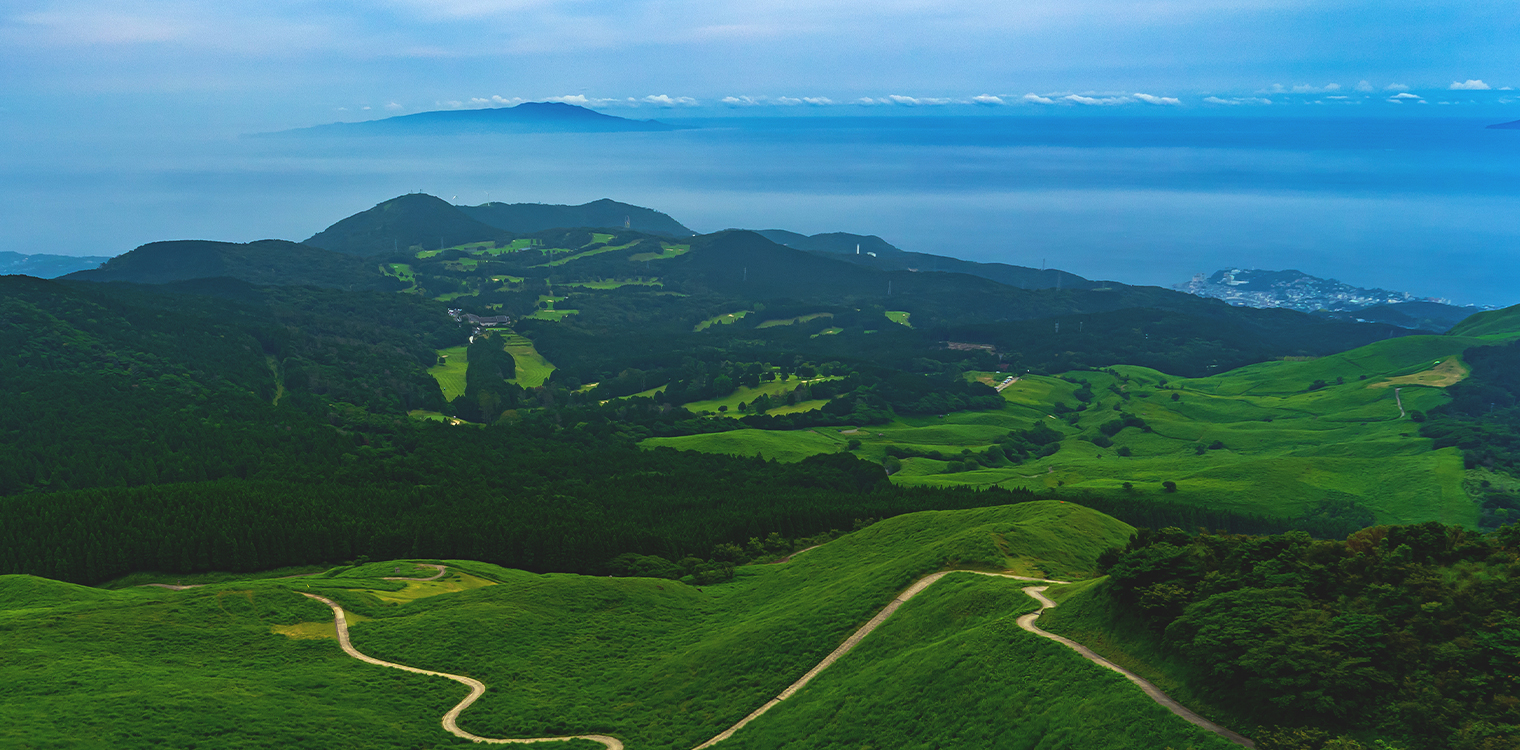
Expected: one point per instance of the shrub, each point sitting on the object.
(1169, 486)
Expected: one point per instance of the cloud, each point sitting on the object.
(394, 106)
(1395, 87)
(1302, 88)
(1471, 84)
(988, 100)
(1405, 96)
(1036, 99)
(1090, 101)
(912, 101)
(1363, 86)
(818, 101)
(1164, 100)
(670, 101)
(1237, 101)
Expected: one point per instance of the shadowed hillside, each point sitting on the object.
(415, 221)
(526, 218)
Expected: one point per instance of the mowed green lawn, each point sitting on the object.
(724, 319)
(1286, 446)
(793, 321)
(745, 394)
(787, 446)
(656, 663)
(450, 375)
(532, 368)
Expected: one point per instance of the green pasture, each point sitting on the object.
(899, 317)
(551, 314)
(666, 251)
(793, 321)
(786, 446)
(746, 395)
(830, 331)
(532, 368)
(451, 296)
(1277, 438)
(1495, 325)
(653, 662)
(721, 320)
(450, 374)
(400, 271)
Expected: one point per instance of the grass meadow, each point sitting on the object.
(450, 374)
(532, 368)
(1275, 438)
(657, 663)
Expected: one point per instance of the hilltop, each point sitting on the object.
(265, 262)
(528, 117)
(405, 224)
(526, 218)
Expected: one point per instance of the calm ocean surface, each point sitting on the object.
(1426, 205)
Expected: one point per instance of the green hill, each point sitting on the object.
(1286, 438)
(405, 224)
(265, 263)
(527, 218)
(1493, 323)
(658, 664)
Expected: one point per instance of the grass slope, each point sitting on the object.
(657, 663)
(450, 374)
(788, 446)
(1291, 435)
(532, 368)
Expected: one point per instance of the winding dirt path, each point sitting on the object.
(1027, 622)
(851, 642)
(477, 689)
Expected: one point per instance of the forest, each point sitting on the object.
(1403, 633)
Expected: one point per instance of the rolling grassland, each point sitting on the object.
(1277, 438)
(655, 663)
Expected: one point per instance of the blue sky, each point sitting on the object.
(281, 63)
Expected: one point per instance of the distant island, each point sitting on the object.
(1506, 126)
(529, 117)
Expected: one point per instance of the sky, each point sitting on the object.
(219, 66)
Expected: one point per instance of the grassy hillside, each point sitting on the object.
(1503, 324)
(1278, 438)
(656, 663)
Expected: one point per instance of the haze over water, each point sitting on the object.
(1420, 204)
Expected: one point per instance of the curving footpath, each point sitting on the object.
(1027, 622)
(477, 688)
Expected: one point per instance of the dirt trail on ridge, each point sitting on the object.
(1027, 622)
(477, 689)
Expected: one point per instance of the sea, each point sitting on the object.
(1428, 205)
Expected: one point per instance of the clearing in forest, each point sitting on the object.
(450, 373)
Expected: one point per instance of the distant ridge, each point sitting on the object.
(265, 262)
(46, 266)
(1506, 126)
(529, 117)
(396, 225)
(873, 251)
(526, 218)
